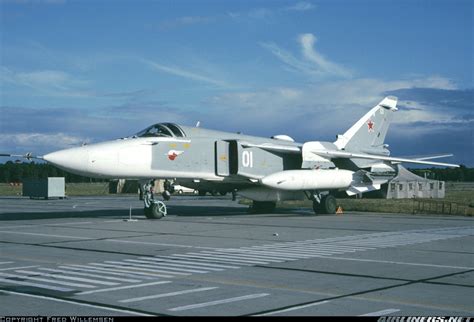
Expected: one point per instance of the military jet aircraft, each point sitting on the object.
(265, 170)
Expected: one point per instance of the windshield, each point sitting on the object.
(154, 131)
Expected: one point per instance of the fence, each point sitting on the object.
(441, 207)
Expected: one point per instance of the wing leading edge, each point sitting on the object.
(349, 155)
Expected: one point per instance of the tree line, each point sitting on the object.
(17, 171)
(460, 174)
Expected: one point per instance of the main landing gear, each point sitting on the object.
(323, 204)
(154, 209)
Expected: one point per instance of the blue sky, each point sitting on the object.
(86, 71)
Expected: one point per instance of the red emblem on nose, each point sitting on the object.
(370, 125)
(172, 154)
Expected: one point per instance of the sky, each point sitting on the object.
(74, 72)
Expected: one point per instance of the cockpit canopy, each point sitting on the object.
(161, 130)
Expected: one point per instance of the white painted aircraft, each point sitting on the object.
(265, 170)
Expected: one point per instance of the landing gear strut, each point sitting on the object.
(154, 209)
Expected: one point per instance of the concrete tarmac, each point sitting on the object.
(79, 256)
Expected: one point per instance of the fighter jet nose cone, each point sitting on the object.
(74, 160)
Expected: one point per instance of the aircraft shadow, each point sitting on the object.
(178, 211)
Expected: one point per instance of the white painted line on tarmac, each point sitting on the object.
(49, 287)
(200, 259)
(48, 280)
(44, 235)
(248, 256)
(188, 263)
(123, 287)
(392, 262)
(72, 278)
(229, 300)
(90, 275)
(136, 299)
(36, 225)
(293, 308)
(215, 259)
(171, 264)
(1, 263)
(229, 258)
(132, 270)
(158, 266)
(159, 244)
(284, 253)
(100, 270)
(75, 303)
(381, 313)
(14, 268)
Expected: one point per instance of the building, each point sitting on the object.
(408, 185)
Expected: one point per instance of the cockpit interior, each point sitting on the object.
(161, 130)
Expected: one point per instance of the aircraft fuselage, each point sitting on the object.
(196, 155)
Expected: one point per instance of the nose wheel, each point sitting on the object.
(157, 210)
(154, 209)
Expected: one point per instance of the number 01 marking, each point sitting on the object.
(247, 159)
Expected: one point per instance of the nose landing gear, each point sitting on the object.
(154, 209)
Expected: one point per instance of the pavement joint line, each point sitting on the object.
(83, 303)
(72, 248)
(335, 273)
(99, 239)
(394, 262)
(362, 292)
(450, 284)
(38, 234)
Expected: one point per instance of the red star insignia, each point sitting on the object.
(370, 125)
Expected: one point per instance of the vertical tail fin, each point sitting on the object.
(368, 134)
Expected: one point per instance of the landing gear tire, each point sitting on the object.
(157, 210)
(202, 193)
(262, 207)
(317, 208)
(222, 193)
(327, 205)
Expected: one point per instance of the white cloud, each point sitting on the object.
(40, 141)
(186, 74)
(325, 66)
(46, 82)
(327, 108)
(186, 21)
(312, 62)
(301, 6)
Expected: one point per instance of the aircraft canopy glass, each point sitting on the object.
(161, 130)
